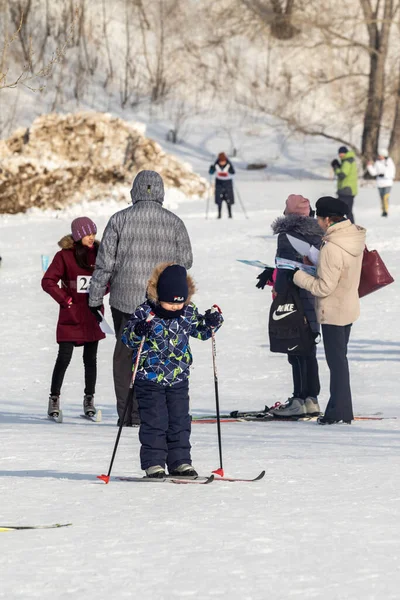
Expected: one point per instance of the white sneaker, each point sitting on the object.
(88, 405)
(53, 407)
(155, 472)
(312, 407)
(295, 407)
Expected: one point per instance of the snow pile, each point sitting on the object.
(63, 159)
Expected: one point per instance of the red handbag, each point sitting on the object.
(374, 274)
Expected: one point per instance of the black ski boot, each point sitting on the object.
(155, 472)
(184, 470)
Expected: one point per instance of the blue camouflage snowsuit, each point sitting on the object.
(162, 386)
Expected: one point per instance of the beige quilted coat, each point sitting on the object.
(338, 275)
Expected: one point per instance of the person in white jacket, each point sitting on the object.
(384, 170)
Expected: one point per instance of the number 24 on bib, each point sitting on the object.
(83, 283)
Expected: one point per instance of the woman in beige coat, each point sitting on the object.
(337, 302)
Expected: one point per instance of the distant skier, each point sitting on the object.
(162, 386)
(73, 266)
(224, 171)
(384, 170)
(347, 178)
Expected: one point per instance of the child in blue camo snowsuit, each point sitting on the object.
(161, 384)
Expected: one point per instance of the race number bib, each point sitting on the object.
(83, 283)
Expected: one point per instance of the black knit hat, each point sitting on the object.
(343, 150)
(327, 206)
(172, 285)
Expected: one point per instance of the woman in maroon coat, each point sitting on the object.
(73, 266)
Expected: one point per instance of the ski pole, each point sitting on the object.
(219, 471)
(241, 203)
(208, 197)
(106, 478)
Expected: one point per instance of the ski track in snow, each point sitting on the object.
(323, 523)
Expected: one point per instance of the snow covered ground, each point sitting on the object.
(324, 522)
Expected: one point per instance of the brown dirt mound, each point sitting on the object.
(63, 159)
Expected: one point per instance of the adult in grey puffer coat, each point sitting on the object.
(297, 222)
(135, 240)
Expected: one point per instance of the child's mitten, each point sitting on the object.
(212, 318)
(143, 328)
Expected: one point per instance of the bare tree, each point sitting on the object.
(110, 70)
(276, 14)
(29, 75)
(394, 144)
(378, 33)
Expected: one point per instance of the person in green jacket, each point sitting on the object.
(347, 178)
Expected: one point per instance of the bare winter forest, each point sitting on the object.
(322, 67)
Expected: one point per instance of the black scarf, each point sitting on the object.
(166, 314)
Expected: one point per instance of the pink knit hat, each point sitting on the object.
(82, 226)
(297, 205)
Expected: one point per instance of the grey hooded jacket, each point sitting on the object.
(134, 242)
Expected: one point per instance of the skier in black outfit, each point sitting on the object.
(298, 221)
(223, 182)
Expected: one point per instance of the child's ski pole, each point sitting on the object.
(219, 471)
(106, 478)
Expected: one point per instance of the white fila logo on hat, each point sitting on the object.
(179, 298)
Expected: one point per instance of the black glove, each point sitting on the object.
(265, 277)
(212, 319)
(335, 164)
(290, 273)
(381, 175)
(93, 310)
(143, 328)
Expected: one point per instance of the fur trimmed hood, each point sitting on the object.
(305, 226)
(67, 242)
(152, 294)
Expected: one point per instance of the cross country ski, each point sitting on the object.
(21, 527)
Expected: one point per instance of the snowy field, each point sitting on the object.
(325, 521)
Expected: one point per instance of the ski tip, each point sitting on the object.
(98, 416)
(260, 476)
(105, 478)
(219, 472)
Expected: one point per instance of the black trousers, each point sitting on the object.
(336, 339)
(165, 426)
(229, 206)
(122, 370)
(305, 375)
(65, 351)
(349, 200)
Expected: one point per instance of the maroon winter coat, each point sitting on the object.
(76, 323)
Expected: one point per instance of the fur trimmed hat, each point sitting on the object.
(167, 274)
